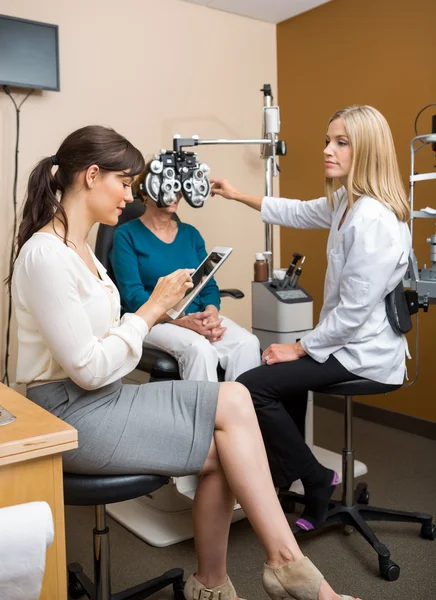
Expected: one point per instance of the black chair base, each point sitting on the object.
(80, 585)
(97, 490)
(357, 515)
(353, 510)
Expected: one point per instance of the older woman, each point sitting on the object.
(155, 245)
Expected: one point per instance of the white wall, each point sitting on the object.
(150, 70)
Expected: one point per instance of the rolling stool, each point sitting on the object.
(354, 509)
(99, 490)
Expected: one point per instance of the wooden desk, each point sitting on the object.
(31, 469)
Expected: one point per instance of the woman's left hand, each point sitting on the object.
(213, 319)
(278, 353)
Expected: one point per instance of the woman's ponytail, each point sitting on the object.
(41, 204)
(41, 201)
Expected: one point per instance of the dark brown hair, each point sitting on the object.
(91, 145)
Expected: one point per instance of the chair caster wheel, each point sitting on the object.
(75, 590)
(390, 571)
(428, 531)
(362, 494)
(178, 590)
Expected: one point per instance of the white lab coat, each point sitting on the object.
(367, 257)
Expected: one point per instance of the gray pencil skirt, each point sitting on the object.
(163, 428)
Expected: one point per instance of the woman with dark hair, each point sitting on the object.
(74, 349)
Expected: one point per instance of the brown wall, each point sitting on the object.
(376, 52)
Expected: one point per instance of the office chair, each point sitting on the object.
(354, 509)
(159, 364)
(99, 490)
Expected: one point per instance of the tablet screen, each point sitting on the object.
(204, 269)
(211, 264)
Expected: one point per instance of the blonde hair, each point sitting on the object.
(374, 168)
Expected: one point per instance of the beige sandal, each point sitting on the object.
(194, 590)
(299, 580)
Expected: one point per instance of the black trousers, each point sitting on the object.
(279, 394)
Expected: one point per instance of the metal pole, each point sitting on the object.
(348, 455)
(269, 171)
(412, 186)
(101, 555)
(268, 228)
(222, 141)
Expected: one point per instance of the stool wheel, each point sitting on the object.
(362, 494)
(75, 590)
(428, 531)
(178, 588)
(390, 571)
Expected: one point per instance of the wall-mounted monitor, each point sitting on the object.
(29, 54)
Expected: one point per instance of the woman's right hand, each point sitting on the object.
(224, 188)
(167, 292)
(171, 288)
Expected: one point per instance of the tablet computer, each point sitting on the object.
(200, 277)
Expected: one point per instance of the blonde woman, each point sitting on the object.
(367, 252)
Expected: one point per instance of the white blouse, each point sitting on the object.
(68, 319)
(367, 257)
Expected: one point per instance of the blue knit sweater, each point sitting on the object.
(139, 258)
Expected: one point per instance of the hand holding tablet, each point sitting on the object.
(200, 277)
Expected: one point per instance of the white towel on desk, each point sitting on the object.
(26, 531)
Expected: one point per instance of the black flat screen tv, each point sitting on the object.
(29, 54)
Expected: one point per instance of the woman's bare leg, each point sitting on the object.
(242, 454)
(212, 513)
(245, 467)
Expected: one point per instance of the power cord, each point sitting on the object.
(419, 114)
(5, 378)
